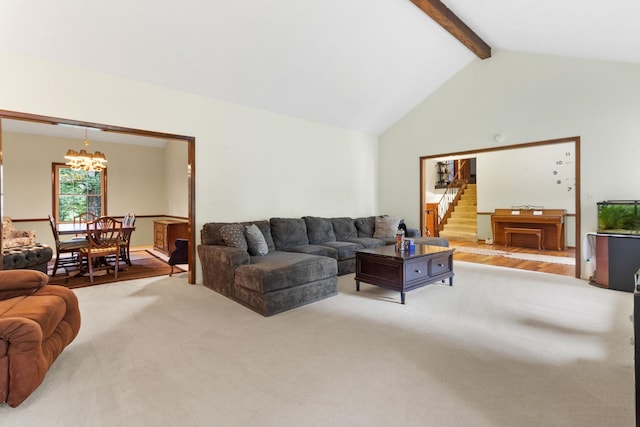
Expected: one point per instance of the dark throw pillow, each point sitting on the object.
(233, 235)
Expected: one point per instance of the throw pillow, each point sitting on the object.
(265, 227)
(386, 226)
(233, 235)
(7, 227)
(255, 240)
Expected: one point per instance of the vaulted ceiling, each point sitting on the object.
(355, 64)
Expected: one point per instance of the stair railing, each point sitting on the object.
(451, 196)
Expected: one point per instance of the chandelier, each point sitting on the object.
(85, 161)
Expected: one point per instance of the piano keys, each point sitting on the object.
(550, 221)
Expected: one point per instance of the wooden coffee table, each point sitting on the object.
(404, 271)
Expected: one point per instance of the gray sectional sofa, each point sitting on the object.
(275, 265)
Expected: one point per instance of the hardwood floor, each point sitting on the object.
(545, 267)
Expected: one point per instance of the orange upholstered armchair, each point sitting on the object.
(37, 321)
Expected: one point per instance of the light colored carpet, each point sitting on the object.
(518, 255)
(502, 347)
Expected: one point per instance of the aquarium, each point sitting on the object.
(619, 217)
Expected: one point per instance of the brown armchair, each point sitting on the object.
(37, 321)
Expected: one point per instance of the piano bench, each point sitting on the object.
(508, 231)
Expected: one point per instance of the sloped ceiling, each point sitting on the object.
(354, 64)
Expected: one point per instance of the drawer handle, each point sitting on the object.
(417, 271)
(440, 265)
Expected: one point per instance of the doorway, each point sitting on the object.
(122, 131)
(553, 164)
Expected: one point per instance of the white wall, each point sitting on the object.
(527, 98)
(250, 164)
(527, 176)
(176, 178)
(534, 176)
(263, 165)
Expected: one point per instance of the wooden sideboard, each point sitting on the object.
(550, 221)
(165, 233)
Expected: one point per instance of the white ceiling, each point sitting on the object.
(355, 64)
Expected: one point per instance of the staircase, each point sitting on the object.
(463, 222)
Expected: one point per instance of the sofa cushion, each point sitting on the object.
(368, 242)
(270, 303)
(387, 240)
(386, 226)
(21, 282)
(344, 228)
(320, 250)
(346, 250)
(288, 232)
(280, 270)
(366, 226)
(210, 234)
(18, 242)
(433, 241)
(319, 230)
(46, 310)
(255, 240)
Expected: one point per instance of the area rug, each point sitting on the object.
(518, 255)
(144, 264)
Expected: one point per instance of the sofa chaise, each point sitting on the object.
(278, 264)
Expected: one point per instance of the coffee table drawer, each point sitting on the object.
(440, 265)
(416, 270)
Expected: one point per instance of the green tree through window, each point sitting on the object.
(77, 192)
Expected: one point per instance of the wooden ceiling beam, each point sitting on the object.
(454, 25)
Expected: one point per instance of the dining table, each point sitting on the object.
(81, 229)
(70, 228)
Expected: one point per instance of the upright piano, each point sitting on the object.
(550, 221)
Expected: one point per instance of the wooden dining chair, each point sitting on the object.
(65, 247)
(125, 240)
(104, 235)
(82, 219)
